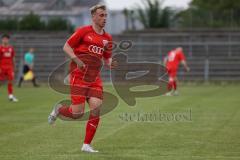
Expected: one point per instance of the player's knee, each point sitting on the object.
(95, 103)
(77, 115)
(95, 111)
(172, 79)
(98, 104)
(77, 111)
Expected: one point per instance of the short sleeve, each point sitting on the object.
(108, 49)
(74, 40)
(13, 52)
(181, 56)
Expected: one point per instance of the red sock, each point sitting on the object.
(66, 112)
(91, 128)
(170, 85)
(10, 88)
(175, 85)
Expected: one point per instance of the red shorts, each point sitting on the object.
(172, 72)
(82, 90)
(6, 74)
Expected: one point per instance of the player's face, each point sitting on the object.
(5, 40)
(100, 18)
(179, 49)
(31, 50)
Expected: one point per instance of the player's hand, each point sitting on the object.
(82, 66)
(31, 67)
(114, 64)
(79, 63)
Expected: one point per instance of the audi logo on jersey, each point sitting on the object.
(96, 49)
(7, 54)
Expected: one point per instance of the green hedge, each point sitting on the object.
(32, 22)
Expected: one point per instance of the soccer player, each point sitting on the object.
(7, 55)
(86, 47)
(171, 62)
(28, 68)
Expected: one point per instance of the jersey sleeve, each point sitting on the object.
(108, 49)
(13, 52)
(0, 52)
(74, 40)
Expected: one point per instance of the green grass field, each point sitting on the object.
(212, 133)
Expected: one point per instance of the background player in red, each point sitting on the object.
(7, 54)
(171, 62)
(86, 47)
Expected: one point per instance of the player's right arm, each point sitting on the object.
(165, 60)
(13, 57)
(184, 62)
(71, 44)
(69, 51)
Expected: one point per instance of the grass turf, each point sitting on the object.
(212, 132)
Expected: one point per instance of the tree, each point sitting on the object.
(31, 22)
(126, 15)
(57, 24)
(129, 17)
(213, 13)
(216, 5)
(9, 24)
(154, 15)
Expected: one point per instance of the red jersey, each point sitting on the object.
(174, 58)
(90, 47)
(6, 56)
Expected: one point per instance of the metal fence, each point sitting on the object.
(208, 61)
(211, 55)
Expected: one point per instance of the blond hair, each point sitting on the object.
(93, 9)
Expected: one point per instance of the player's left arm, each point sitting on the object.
(32, 64)
(165, 60)
(110, 63)
(13, 57)
(107, 55)
(184, 62)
